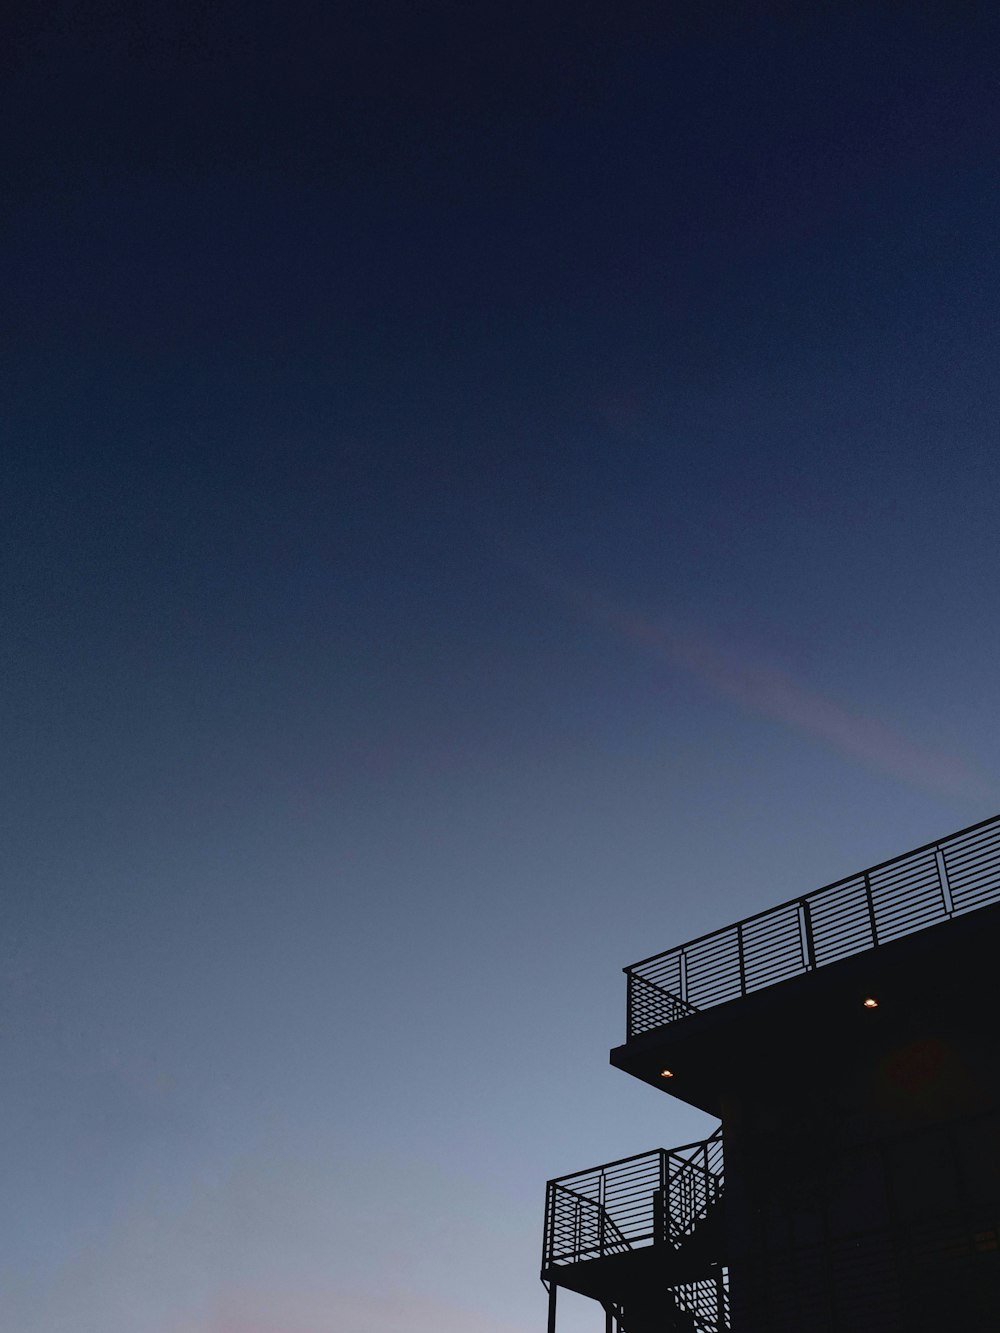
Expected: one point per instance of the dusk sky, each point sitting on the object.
(489, 492)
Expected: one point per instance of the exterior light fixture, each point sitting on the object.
(666, 1073)
(870, 1002)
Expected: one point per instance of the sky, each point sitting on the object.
(488, 493)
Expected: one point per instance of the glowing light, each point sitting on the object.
(870, 1002)
(666, 1073)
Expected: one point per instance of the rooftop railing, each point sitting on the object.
(929, 885)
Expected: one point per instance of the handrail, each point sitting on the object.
(716, 1135)
(930, 884)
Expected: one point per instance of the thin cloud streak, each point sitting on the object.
(764, 690)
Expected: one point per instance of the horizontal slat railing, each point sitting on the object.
(921, 888)
(658, 1196)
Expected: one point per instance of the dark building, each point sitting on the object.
(846, 1041)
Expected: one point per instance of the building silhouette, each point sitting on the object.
(846, 1041)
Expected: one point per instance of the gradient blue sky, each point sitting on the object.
(487, 495)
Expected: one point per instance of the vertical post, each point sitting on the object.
(871, 909)
(607, 1319)
(721, 1314)
(743, 968)
(547, 1228)
(942, 870)
(660, 1203)
(552, 1308)
(659, 1217)
(807, 926)
(628, 1005)
(706, 1176)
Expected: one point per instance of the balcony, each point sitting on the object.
(644, 1236)
(933, 884)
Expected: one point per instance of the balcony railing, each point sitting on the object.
(921, 888)
(654, 1197)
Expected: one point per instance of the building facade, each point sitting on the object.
(847, 1043)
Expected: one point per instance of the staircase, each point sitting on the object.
(644, 1237)
(667, 1317)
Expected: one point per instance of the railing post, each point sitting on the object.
(743, 968)
(661, 1204)
(707, 1176)
(942, 870)
(659, 1218)
(720, 1300)
(807, 926)
(628, 1004)
(871, 909)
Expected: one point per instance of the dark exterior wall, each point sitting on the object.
(863, 1174)
(862, 1144)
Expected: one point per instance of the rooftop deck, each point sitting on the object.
(931, 884)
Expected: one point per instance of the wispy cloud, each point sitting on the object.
(761, 688)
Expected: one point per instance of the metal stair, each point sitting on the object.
(668, 1317)
(644, 1236)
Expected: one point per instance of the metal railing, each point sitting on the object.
(653, 1197)
(931, 884)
